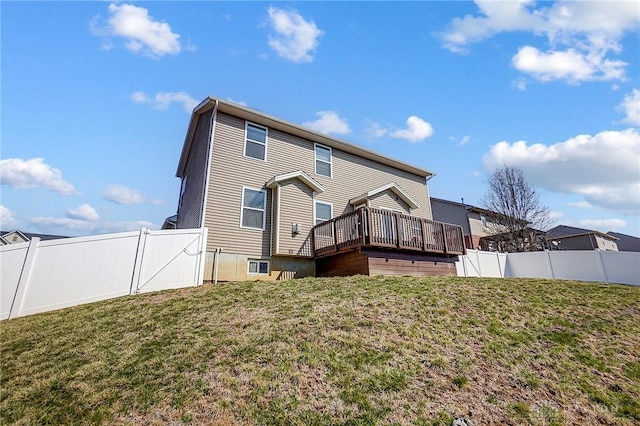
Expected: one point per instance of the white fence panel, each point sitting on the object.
(583, 265)
(10, 268)
(167, 255)
(577, 265)
(621, 267)
(73, 271)
(477, 263)
(42, 276)
(532, 265)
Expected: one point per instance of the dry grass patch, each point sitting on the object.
(331, 351)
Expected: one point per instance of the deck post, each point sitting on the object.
(444, 237)
(335, 235)
(423, 228)
(396, 216)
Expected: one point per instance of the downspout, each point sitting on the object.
(216, 262)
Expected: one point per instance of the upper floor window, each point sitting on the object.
(183, 188)
(323, 160)
(323, 212)
(254, 202)
(255, 143)
(484, 221)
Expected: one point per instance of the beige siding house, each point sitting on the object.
(260, 184)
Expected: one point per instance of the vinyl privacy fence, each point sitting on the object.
(583, 265)
(40, 276)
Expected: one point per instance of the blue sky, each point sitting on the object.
(96, 98)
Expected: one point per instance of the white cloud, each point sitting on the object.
(567, 65)
(121, 194)
(602, 225)
(33, 173)
(631, 108)
(328, 122)
(603, 168)
(555, 216)
(581, 205)
(66, 226)
(7, 221)
(465, 140)
(375, 130)
(417, 130)
(83, 212)
(295, 38)
(143, 34)
(162, 100)
(580, 34)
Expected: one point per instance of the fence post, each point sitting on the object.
(602, 268)
(550, 264)
(25, 276)
(478, 259)
(499, 267)
(202, 249)
(137, 264)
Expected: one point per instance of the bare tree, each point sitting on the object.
(516, 216)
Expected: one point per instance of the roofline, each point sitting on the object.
(288, 127)
(395, 188)
(300, 175)
(602, 234)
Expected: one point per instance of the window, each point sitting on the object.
(253, 208)
(484, 221)
(323, 212)
(258, 267)
(183, 188)
(255, 144)
(323, 160)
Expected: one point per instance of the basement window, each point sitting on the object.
(258, 267)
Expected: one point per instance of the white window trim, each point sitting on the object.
(264, 209)
(315, 163)
(258, 261)
(315, 216)
(246, 138)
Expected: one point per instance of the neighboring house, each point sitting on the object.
(626, 242)
(283, 201)
(564, 237)
(475, 222)
(16, 236)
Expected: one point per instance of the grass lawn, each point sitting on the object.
(335, 351)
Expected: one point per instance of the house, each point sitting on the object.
(564, 237)
(475, 222)
(16, 236)
(626, 242)
(283, 201)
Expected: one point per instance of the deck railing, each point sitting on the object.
(371, 227)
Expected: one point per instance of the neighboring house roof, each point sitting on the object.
(302, 176)
(393, 187)
(626, 242)
(275, 123)
(564, 231)
(29, 235)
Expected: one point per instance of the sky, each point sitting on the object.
(96, 98)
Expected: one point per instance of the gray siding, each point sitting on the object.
(352, 176)
(190, 212)
(450, 213)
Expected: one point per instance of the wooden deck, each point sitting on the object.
(384, 229)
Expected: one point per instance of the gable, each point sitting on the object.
(394, 188)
